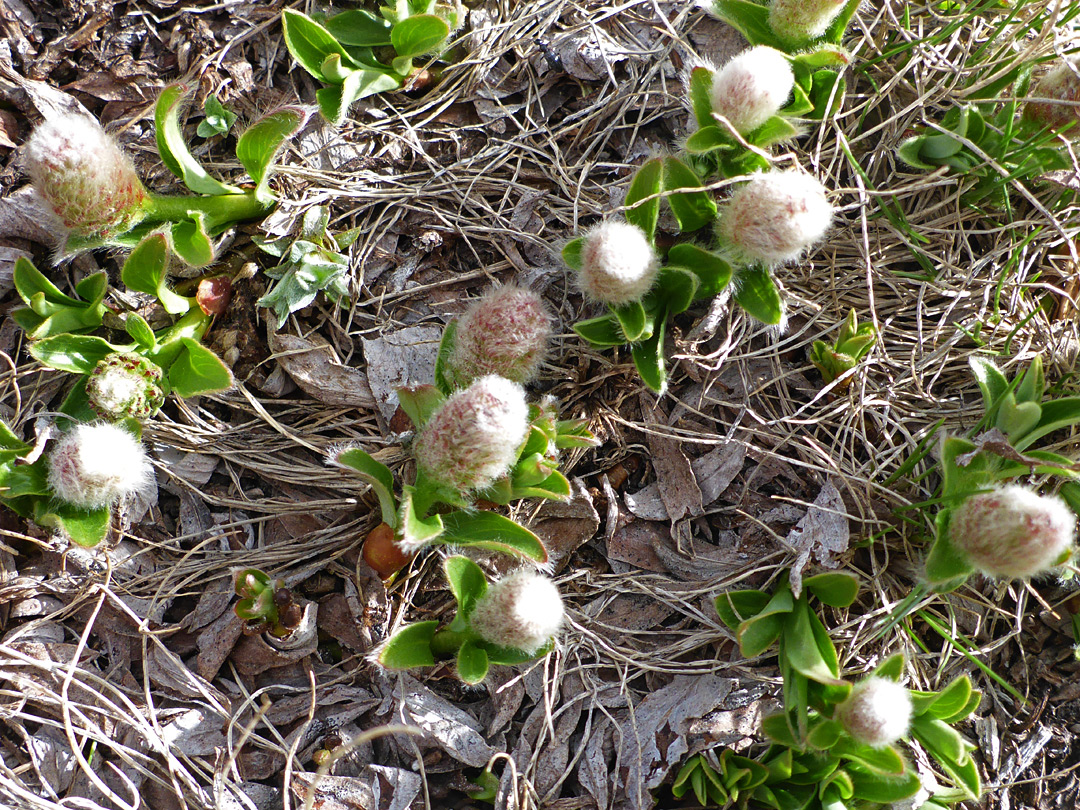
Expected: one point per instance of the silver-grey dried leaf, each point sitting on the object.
(453, 730)
(823, 531)
(195, 732)
(315, 368)
(401, 358)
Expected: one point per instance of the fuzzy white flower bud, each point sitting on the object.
(85, 177)
(505, 333)
(1012, 532)
(95, 465)
(752, 87)
(618, 265)
(523, 611)
(473, 438)
(799, 21)
(775, 217)
(877, 712)
(1062, 84)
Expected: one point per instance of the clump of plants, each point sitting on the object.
(853, 342)
(265, 604)
(360, 52)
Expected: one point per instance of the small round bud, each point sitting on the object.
(775, 217)
(1062, 84)
(473, 438)
(799, 21)
(82, 173)
(506, 333)
(752, 87)
(96, 465)
(1012, 532)
(877, 712)
(523, 611)
(618, 265)
(125, 384)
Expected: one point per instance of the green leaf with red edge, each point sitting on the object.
(260, 143)
(701, 81)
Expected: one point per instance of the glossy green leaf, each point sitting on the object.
(145, 271)
(649, 357)
(139, 331)
(992, 383)
(833, 588)
(693, 209)
(939, 738)
(1016, 419)
(601, 332)
(260, 143)
(27, 479)
(735, 607)
(713, 272)
(472, 663)
(197, 370)
(645, 185)
(419, 34)
(375, 473)
(466, 580)
(310, 43)
(910, 152)
(84, 527)
(509, 657)
(571, 253)
(891, 668)
(701, 80)
(409, 647)
(884, 761)
(952, 699)
(708, 139)
(775, 130)
(678, 287)
(491, 531)
(632, 320)
(776, 728)
(29, 281)
(801, 647)
(173, 149)
(75, 353)
(359, 28)
(420, 402)
(826, 95)
(191, 242)
(1054, 415)
(881, 789)
(757, 294)
(416, 530)
(759, 634)
(1033, 383)
(749, 19)
(555, 487)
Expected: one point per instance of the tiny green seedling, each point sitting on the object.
(508, 622)
(265, 604)
(358, 53)
(852, 344)
(219, 119)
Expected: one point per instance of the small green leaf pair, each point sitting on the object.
(51, 312)
(420, 644)
(311, 263)
(851, 345)
(344, 50)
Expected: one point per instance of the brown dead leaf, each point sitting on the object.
(564, 526)
(635, 543)
(316, 370)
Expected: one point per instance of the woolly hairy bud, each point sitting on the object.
(752, 87)
(803, 20)
(86, 178)
(505, 333)
(775, 217)
(1012, 532)
(472, 439)
(1062, 83)
(96, 465)
(877, 712)
(522, 611)
(125, 384)
(618, 265)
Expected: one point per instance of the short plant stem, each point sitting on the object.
(446, 643)
(218, 210)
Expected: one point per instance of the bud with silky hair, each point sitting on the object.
(800, 21)
(877, 712)
(752, 87)
(618, 265)
(523, 611)
(95, 465)
(505, 332)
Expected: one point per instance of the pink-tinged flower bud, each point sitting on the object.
(775, 217)
(96, 465)
(523, 611)
(799, 21)
(1012, 532)
(506, 333)
(1062, 84)
(618, 265)
(877, 712)
(752, 87)
(125, 384)
(86, 178)
(473, 438)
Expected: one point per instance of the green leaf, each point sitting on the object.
(775, 130)
(701, 80)
(713, 271)
(749, 19)
(881, 789)
(466, 580)
(491, 531)
(409, 647)
(29, 281)
(472, 661)
(884, 761)
(173, 148)
(416, 530)
(1055, 414)
(310, 43)
(28, 479)
(735, 607)
(757, 635)
(708, 139)
(910, 152)
(555, 487)
(509, 657)
(571, 253)
(375, 473)
(776, 728)
(1015, 419)
(649, 357)
(632, 320)
(833, 589)
(939, 738)
(191, 242)
(420, 402)
(1033, 384)
(218, 119)
(757, 294)
(826, 95)
(260, 143)
(801, 645)
(992, 383)
(891, 668)
(418, 35)
(444, 380)
(197, 370)
(334, 101)
(84, 527)
(140, 331)
(301, 282)
(75, 353)
(679, 288)
(693, 209)
(359, 28)
(601, 332)
(840, 24)
(952, 699)
(145, 271)
(945, 564)
(646, 184)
